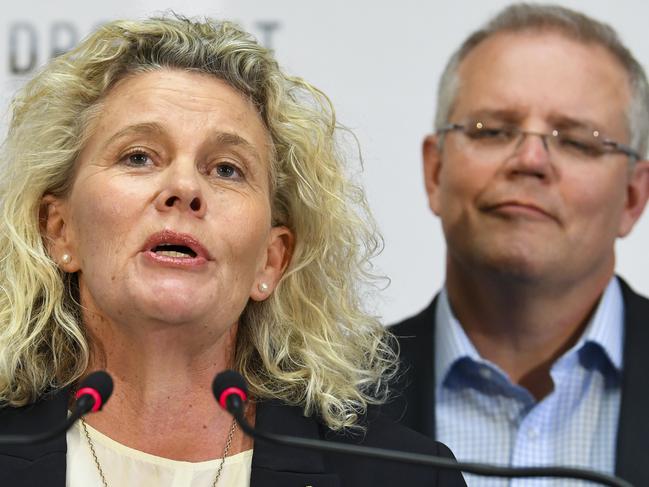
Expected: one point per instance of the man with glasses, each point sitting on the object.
(534, 353)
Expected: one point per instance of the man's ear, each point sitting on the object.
(431, 152)
(637, 193)
(278, 255)
(53, 220)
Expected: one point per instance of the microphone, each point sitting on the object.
(93, 393)
(230, 390)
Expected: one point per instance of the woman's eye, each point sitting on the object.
(227, 171)
(137, 159)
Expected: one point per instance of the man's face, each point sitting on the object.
(529, 213)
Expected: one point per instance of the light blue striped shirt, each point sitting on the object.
(482, 416)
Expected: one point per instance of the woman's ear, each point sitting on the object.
(53, 217)
(278, 256)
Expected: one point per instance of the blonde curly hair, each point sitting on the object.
(310, 344)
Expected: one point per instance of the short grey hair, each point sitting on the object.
(522, 17)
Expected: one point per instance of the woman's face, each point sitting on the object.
(169, 218)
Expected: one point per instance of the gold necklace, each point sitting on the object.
(228, 444)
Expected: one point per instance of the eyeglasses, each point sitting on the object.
(576, 144)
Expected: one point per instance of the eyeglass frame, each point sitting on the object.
(518, 132)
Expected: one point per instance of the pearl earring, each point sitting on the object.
(263, 287)
(66, 258)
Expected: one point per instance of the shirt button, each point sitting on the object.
(533, 433)
(486, 373)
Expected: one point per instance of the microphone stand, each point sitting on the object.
(235, 407)
(82, 406)
(93, 393)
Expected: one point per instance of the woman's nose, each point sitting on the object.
(181, 191)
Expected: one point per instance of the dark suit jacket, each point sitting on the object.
(414, 403)
(271, 465)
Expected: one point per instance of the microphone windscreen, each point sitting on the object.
(101, 382)
(229, 382)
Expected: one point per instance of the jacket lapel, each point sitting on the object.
(633, 425)
(42, 464)
(414, 405)
(274, 465)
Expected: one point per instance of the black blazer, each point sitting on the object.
(414, 404)
(272, 465)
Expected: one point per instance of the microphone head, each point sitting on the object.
(229, 383)
(99, 386)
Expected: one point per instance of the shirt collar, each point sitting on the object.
(606, 326)
(451, 342)
(605, 329)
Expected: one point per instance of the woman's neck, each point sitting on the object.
(162, 402)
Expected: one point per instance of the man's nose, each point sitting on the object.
(532, 156)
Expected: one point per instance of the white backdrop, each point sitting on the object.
(378, 61)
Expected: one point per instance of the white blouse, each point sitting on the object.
(124, 466)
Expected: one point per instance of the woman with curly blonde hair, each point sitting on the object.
(172, 205)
